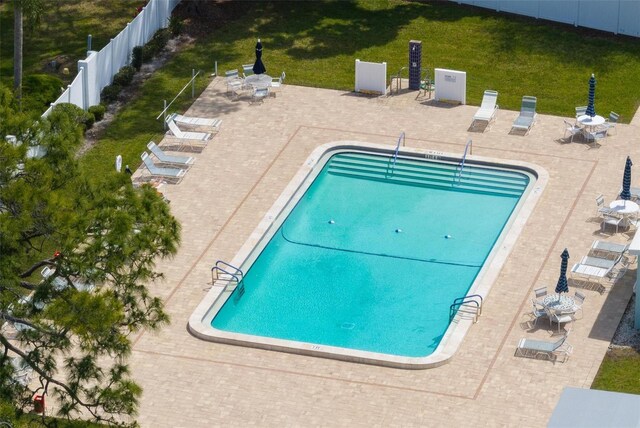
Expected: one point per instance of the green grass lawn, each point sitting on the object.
(620, 372)
(61, 35)
(316, 43)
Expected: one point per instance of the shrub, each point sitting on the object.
(110, 93)
(76, 114)
(40, 90)
(136, 57)
(98, 112)
(155, 45)
(124, 76)
(175, 25)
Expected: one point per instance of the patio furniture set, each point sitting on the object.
(590, 129)
(259, 86)
(606, 261)
(619, 213)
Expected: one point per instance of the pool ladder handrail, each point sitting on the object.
(398, 79)
(460, 301)
(468, 147)
(221, 272)
(395, 153)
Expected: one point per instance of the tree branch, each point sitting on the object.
(36, 266)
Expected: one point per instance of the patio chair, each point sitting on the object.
(540, 293)
(234, 82)
(579, 298)
(488, 107)
(160, 172)
(602, 208)
(527, 116)
(247, 70)
(426, 84)
(571, 129)
(162, 157)
(532, 348)
(277, 83)
(559, 318)
(581, 111)
(196, 121)
(259, 94)
(612, 122)
(610, 220)
(537, 311)
(186, 135)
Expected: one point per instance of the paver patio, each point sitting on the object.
(192, 383)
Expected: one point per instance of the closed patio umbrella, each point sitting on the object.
(591, 109)
(563, 285)
(626, 181)
(258, 67)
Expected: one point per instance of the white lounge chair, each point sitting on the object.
(22, 372)
(195, 121)
(165, 158)
(527, 116)
(160, 172)
(541, 349)
(608, 250)
(60, 283)
(488, 107)
(581, 111)
(596, 275)
(186, 135)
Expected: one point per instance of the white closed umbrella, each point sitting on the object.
(118, 163)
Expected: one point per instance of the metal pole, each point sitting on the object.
(88, 42)
(164, 116)
(193, 83)
(215, 69)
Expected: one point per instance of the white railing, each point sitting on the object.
(97, 70)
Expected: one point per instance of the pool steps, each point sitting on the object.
(430, 174)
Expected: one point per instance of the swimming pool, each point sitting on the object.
(365, 259)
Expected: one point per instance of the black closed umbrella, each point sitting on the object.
(258, 67)
(563, 286)
(591, 109)
(626, 181)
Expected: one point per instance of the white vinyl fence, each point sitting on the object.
(616, 16)
(97, 70)
(371, 77)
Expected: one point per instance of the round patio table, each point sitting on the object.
(259, 81)
(559, 304)
(624, 207)
(587, 120)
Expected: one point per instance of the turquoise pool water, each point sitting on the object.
(371, 260)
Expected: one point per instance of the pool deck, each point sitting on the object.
(193, 383)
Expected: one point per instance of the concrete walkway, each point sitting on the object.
(235, 180)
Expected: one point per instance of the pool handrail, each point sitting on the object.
(395, 153)
(469, 147)
(459, 301)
